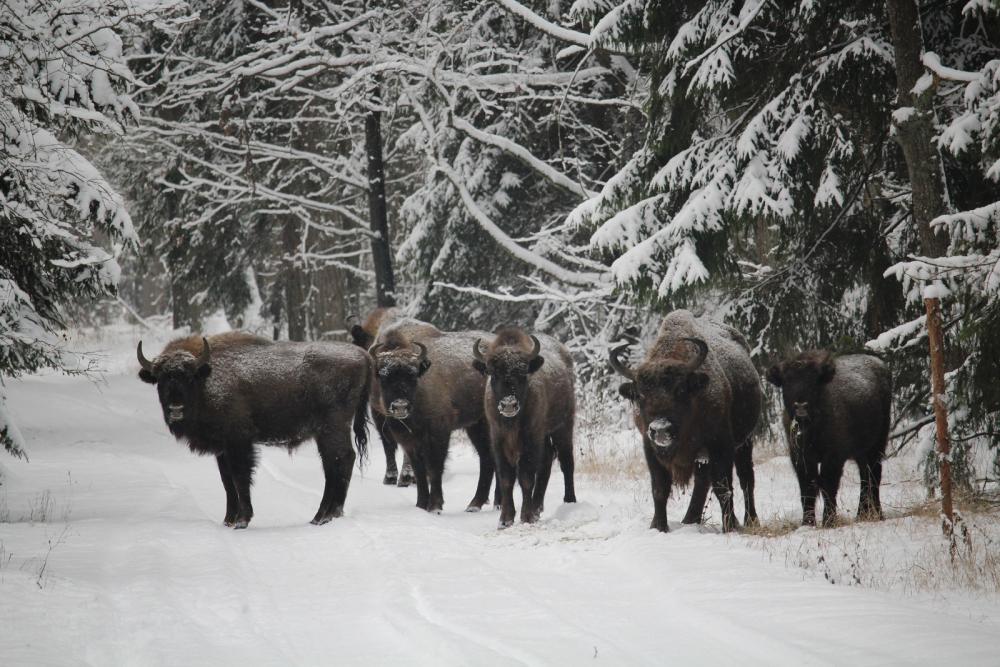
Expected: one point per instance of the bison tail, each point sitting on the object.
(361, 422)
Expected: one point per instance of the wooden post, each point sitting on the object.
(936, 341)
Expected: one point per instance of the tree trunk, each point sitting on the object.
(294, 281)
(914, 121)
(385, 283)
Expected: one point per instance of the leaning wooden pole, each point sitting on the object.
(914, 132)
(936, 340)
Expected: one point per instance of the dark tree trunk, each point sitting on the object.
(914, 133)
(385, 283)
(294, 281)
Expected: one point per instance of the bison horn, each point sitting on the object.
(146, 364)
(423, 350)
(618, 364)
(476, 352)
(702, 352)
(537, 348)
(206, 353)
(375, 348)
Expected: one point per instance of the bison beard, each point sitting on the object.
(531, 409)
(836, 409)
(697, 401)
(225, 394)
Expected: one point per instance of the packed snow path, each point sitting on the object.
(140, 571)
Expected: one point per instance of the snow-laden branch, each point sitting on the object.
(509, 244)
(546, 26)
(524, 155)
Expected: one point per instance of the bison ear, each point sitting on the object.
(826, 371)
(774, 374)
(360, 336)
(204, 371)
(146, 376)
(696, 382)
(479, 366)
(628, 391)
(535, 364)
(424, 365)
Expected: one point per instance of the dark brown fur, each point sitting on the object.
(525, 444)
(836, 409)
(705, 411)
(441, 393)
(252, 391)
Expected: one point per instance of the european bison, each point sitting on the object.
(424, 390)
(224, 394)
(835, 409)
(696, 398)
(530, 407)
(364, 335)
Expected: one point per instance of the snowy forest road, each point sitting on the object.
(113, 553)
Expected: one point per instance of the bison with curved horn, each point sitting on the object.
(224, 394)
(697, 401)
(364, 334)
(424, 390)
(836, 408)
(530, 407)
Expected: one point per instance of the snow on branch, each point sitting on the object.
(514, 248)
(546, 26)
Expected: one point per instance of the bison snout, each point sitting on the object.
(175, 413)
(509, 406)
(661, 432)
(400, 408)
(801, 409)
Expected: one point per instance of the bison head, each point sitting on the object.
(398, 371)
(508, 362)
(802, 380)
(663, 391)
(178, 377)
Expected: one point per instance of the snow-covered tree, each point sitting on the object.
(62, 76)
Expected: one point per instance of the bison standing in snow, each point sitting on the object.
(835, 409)
(424, 390)
(224, 394)
(696, 397)
(364, 335)
(531, 408)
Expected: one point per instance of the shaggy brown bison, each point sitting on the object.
(530, 407)
(424, 390)
(697, 398)
(836, 408)
(224, 394)
(364, 334)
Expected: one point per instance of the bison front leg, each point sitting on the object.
(479, 435)
(242, 461)
(437, 454)
(699, 495)
(829, 484)
(337, 455)
(563, 442)
(660, 481)
(722, 484)
(806, 471)
(744, 470)
(388, 447)
(505, 476)
(232, 499)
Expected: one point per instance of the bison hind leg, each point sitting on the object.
(406, 475)
(699, 495)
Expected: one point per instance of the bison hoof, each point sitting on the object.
(569, 498)
(319, 521)
(390, 479)
(241, 524)
(505, 523)
(660, 525)
(229, 522)
(473, 508)
(406, 477)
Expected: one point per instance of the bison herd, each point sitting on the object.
(696, 399)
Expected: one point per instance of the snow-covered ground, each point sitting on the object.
(112, 552)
